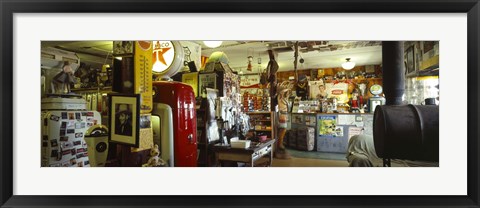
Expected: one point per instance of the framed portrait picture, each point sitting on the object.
(124, 120)
(410, 60)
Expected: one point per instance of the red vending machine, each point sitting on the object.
(181, 99)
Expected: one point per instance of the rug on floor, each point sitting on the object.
(316, 155)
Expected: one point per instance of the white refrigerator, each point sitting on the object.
(64, 123)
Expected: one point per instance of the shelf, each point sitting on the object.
(92, 89)
(257, 117)
(259, 112)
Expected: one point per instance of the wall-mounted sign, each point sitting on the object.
(143, 74)
(194, 52)
(192, 80)
(338, 91)
(250, 81)
(167, 58)
(163, 55)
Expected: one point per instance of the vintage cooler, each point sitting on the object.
(181, 99)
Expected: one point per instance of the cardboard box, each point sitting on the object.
(242, 144)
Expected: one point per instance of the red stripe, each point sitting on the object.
(251, 86)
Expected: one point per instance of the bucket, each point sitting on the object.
(408, 132)
(429, 101)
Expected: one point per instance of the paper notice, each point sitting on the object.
(346, 120)
(352, 131)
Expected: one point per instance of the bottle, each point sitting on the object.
(334, 105)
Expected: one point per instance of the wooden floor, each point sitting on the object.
(301, 162)
(307, 162)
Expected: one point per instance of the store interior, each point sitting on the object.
(256, 103)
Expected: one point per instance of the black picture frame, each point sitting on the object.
(9, 8)
(132, 138)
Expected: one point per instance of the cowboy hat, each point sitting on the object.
(122, 108)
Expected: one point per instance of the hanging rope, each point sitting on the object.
(295, 55)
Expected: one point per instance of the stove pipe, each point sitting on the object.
(393, 72)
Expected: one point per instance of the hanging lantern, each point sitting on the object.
(250, 59)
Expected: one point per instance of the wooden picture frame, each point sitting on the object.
(124, 119)
(9, 197)
(410, 60)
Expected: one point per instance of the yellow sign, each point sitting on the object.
(143, 74)
(192, 80)
(430, 62)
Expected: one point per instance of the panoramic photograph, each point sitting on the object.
(245, 103)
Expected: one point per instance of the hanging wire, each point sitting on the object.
(106, 58)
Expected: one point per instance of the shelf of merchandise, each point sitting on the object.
(265, 117)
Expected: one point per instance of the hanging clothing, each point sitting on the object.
(65, 78)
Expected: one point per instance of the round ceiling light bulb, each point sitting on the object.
(348, 65)
(212, 44)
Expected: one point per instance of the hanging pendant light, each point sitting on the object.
(348, 64)
(212, 44)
